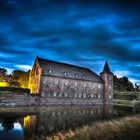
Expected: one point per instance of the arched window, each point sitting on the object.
(60, 95)
(54, 94)
(88, 95)
(110, 97)
(92, 95)
(66, 95)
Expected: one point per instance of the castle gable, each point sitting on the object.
(66, 70)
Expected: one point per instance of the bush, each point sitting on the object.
(14, 89)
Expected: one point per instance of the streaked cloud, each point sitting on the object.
(79, 32)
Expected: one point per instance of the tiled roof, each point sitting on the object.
(67, 70)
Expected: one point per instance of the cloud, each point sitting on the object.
(79, 32)
(23, 67)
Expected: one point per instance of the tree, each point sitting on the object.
(22, 77)
(3, 72)
(122, 84)
(13, 81)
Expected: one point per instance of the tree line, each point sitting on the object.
(18, 78)
(123, 84)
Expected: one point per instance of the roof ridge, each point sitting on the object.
(63, 63)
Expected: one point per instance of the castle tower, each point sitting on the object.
(107, 77)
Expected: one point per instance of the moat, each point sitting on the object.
(33, 123)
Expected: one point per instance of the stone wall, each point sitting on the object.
(14, 99)
(34, 79)
(108, 88)
(57, 90)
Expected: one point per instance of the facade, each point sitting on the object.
(60, 83)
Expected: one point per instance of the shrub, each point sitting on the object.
(14, 89)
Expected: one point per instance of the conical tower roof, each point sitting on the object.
(106, 68)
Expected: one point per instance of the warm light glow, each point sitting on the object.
(27, 120)
(3, 84)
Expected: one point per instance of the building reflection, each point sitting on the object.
(48, 121)
(11, 129)
(29, 124)
(60, 119)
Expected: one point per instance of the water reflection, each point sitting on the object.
(48, 121)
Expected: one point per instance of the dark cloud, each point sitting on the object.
(81, 32)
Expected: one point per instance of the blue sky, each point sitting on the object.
(80, 32)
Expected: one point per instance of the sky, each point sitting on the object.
(80, 32)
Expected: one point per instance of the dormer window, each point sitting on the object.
(49, 71)
(65, 73)
(76, 75)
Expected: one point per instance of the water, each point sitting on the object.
(30, 123)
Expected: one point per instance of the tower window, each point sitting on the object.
(110, 97)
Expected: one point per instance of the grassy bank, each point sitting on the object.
(123, 129)
(130, 99)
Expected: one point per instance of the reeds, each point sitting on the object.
(122, 129)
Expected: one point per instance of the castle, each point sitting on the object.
(64, 84)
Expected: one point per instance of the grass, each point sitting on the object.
(132, 103)
(122, 129)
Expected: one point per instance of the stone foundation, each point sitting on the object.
(27, 100)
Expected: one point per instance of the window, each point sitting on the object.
(75, 95)
(84, 95)
(99, 86)
(37, 71)
(76, 75)
(56, 81)
(80, 95)
(65, 73)
(92, 95)
(54, 94)
(66, 95)
(88, 95)
(66, 83)
(99, 96)
(110, 97)
(83, 76)
(49, 71)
